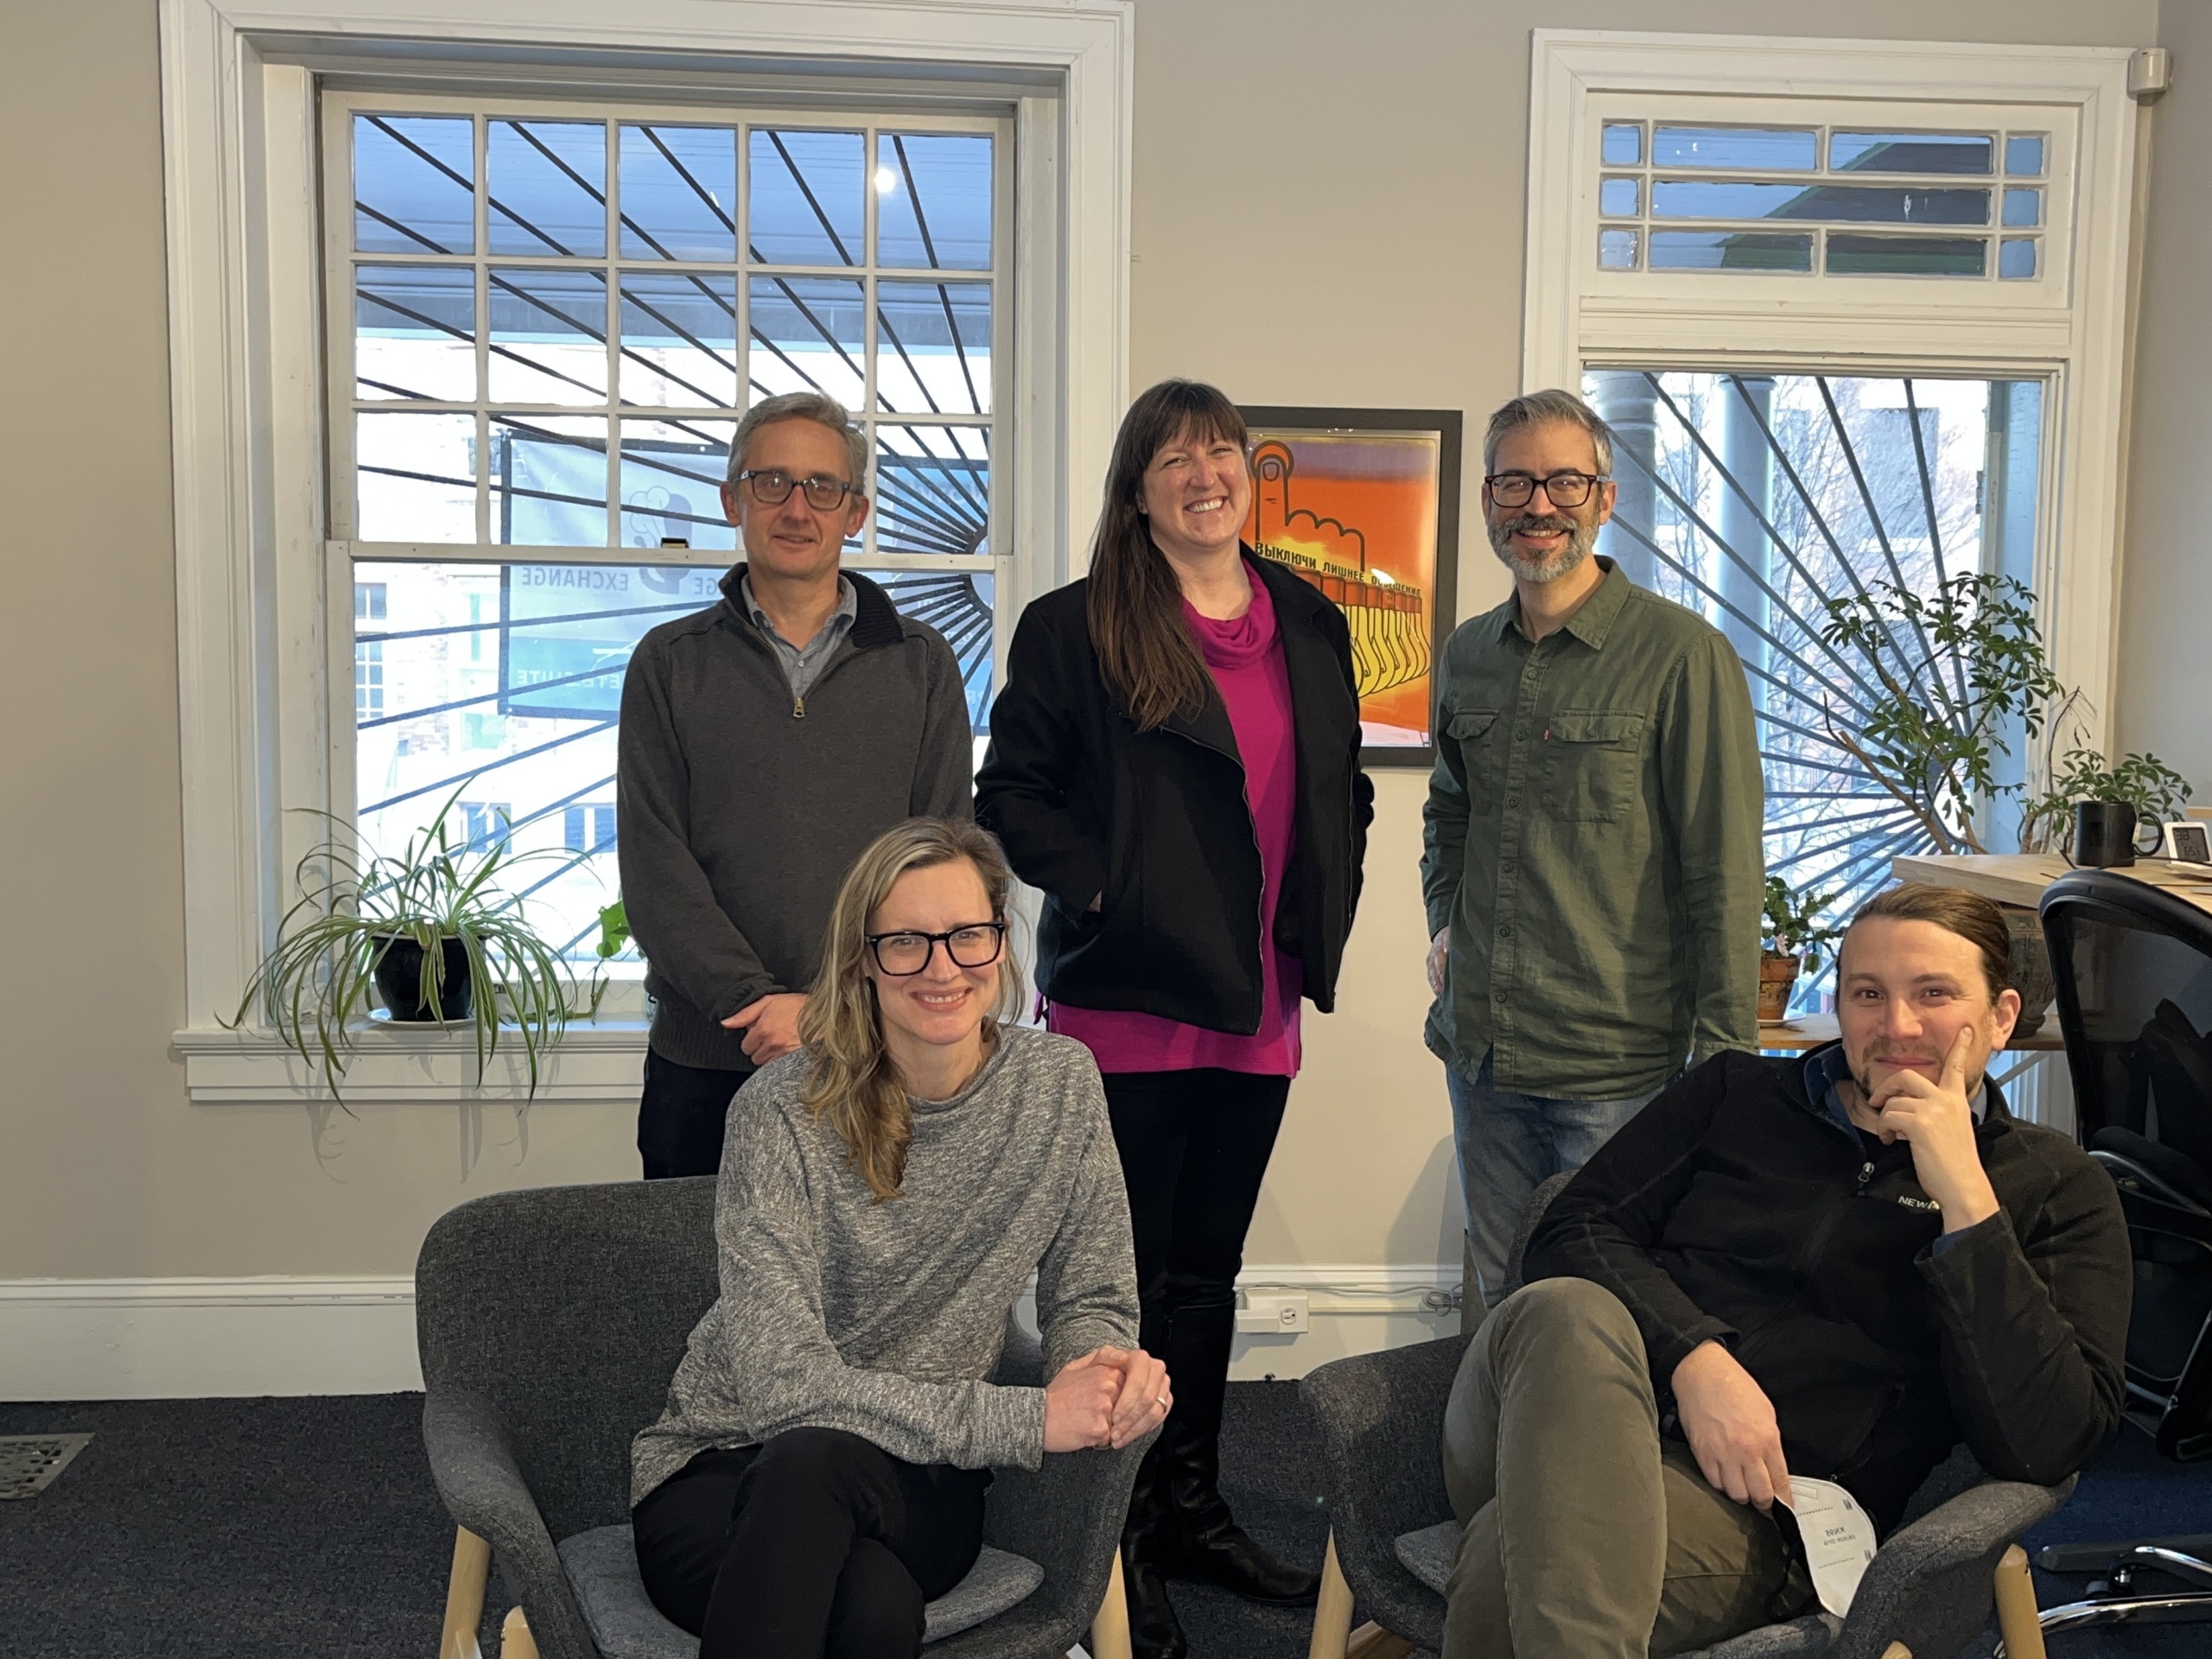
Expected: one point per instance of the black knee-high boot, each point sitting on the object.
(1147, 1536)
(1207, 1543)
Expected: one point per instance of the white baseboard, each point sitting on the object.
(193, 1338)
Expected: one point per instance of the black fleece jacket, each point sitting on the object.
(1156, 825)
(1733, 1208)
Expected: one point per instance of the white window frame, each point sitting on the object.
(2068, 328)
(260, 646)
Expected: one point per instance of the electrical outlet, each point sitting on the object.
(1275, 1312)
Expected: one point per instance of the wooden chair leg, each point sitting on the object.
(1371, 1641)
(2016, 1620)
(1897, 1651)
(515, 1640)
(1109, 1630)
(472, 1564)
(1332, 1612)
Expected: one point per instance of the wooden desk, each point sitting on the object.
(2019, 878)
(1809, 1031)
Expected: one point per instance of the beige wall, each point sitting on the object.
(2166, 579)
(1328, 210)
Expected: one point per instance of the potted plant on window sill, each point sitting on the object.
(1790, 945)
(436, 933)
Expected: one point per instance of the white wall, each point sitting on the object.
(1328, 210)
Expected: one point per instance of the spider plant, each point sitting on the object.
(354, 909)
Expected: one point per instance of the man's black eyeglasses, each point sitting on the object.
(1518, 489)
(903, 955)
(771, 487)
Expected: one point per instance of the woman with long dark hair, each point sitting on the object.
(887, 1193)
(1175, 762)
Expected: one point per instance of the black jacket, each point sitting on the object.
(1733, 1207)
(1158, 823)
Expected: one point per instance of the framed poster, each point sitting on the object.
(1364, 504)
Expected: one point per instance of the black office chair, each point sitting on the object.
(2133, 972)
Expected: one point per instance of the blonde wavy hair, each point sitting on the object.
(852, 1081)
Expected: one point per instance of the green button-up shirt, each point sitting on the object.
(1593, 839)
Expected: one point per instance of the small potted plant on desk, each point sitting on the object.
(1791, 946)
(431, 928)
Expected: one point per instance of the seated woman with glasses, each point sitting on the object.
(886, 1192)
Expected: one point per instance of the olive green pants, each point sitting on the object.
(1586, 1538)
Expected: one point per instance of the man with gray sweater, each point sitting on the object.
(763, 742)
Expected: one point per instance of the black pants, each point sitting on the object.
(681, 1116)
(1194, 1147)
(817, 1543)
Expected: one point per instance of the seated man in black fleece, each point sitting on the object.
(1839, 1264)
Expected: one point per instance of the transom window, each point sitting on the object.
(545, 320)
(1855, 200)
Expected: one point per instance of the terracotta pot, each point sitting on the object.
(1778, 978)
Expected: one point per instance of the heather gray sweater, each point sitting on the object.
(883, 1319)
(739, 809)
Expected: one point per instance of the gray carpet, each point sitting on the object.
(309, 1529)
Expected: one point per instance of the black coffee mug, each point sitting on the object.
(2104, 834)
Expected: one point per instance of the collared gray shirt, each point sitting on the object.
(802, 663)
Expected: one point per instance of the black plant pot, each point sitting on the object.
(399, 980)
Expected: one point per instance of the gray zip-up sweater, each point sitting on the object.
(739, 807)
(883, 1319)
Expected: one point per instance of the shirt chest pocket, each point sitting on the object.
(1474, 731)
(1593, 764)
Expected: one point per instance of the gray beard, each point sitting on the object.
(1580, 540)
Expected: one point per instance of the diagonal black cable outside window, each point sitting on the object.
(929, 248)
(698, 189)
(560, 161)
(884, 328)
(390, 223)
(1766, 523)
(807, 190)
(1912, 831)
(922, 501)
(1780, 454)
(398, 393)
(1927, 669)
(829, 334)
(519, 623)
(957, 471)
(493, 695)
(1935, 531)
(628, 298)
(1825, 820)
(918, 524)
(606, 725)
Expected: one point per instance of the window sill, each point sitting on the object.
(599, 1062)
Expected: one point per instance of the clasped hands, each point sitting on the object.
(1106, 1398)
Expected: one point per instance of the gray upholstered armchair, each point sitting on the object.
(549, 1323)
(1393, 1537)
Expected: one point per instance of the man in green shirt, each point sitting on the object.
(1591, 859)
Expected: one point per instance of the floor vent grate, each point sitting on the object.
(29, 1463)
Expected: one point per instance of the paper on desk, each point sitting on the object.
(1839, 1539)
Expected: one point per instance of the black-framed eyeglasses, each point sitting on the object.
(1561, 489)
(771, 487)
(903, 955)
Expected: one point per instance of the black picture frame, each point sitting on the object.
(1274, 422)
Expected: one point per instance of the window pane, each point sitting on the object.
(549, 480)
(933, 347)
(806, 207)
(1617, 250)
(1622, 144)
(932, 489)
(2024, 155)
(415, 332)
(933, 200)
(547, 187)
(1851, 203)
(2022, 206)
(1762, 520)
(1620, 198)
(679, 340)
(1908, 256)
(808, 335)
(416, 477)
(549, 336)
(957, 604)
(1730, 251)
(1752, 149)
(679, 191)
(673, 474)
(538, 704)
(414, 189)
(1911, 152)
(2016, 258)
